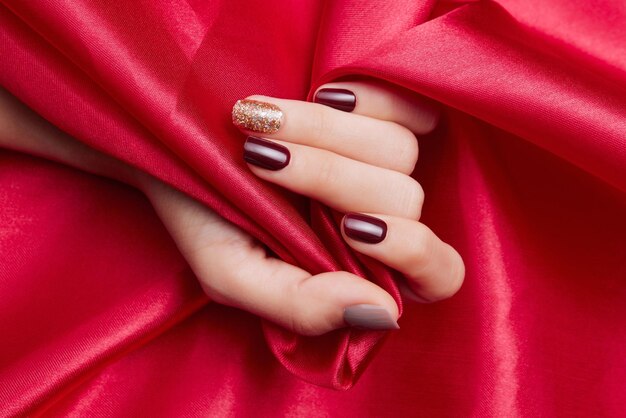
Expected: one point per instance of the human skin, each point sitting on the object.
(354, 157)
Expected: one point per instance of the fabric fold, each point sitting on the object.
(525, 176)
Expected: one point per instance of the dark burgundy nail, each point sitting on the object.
(265, 154)
(364, 228)
(341, 99)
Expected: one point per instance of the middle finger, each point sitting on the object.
(341, 183)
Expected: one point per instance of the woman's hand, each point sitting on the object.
(234, 269)
(356, 154)
(357, 162)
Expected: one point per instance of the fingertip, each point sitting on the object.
(457, 276)
(434, 269)
(429, 117)
(452, 272)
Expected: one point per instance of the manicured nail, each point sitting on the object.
(364, 228)
(341, 99)
(265, 154)
(257, 116)
(369, 316)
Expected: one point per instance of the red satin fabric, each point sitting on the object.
(526, 177)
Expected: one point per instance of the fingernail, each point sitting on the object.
(364, 228)
(369, 316)
(341, 99)
(265, 154)
(257, 116)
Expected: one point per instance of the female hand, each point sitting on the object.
(234, 269)
(354, 150)
(356, 160)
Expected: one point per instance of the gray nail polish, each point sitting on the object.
(369, 316)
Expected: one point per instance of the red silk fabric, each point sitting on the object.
(526, 177)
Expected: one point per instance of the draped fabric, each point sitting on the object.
(525, 176)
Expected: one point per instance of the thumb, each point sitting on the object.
(235, 270)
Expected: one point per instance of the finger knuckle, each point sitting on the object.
(455, 279)
(411, 199)
(226, 290)
(425, 117)
(409, 150)
(301, 319)
(451, 281)
(217, 292)
(430, 120)
(226, 281)
(326, 170)
(322, 125)
(421, 250)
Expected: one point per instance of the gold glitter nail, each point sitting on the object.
(257, 116)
